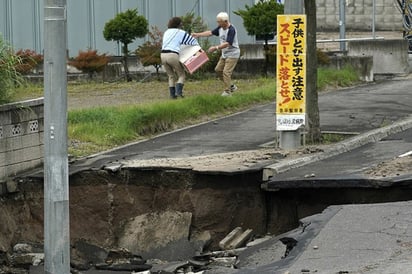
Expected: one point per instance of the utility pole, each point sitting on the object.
(291, 139)
(56, 186)
(342, 23)
(373, 18)
(293, 7)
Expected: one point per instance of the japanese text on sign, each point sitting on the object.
(291, 71)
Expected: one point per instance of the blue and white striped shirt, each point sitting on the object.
(173, 38)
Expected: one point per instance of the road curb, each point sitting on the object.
(341, 147)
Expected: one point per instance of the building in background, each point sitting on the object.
(21, 22)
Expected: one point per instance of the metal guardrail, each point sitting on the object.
(274, 42)
(349, 39)
(408, 37)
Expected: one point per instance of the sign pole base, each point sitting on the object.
(289, 139)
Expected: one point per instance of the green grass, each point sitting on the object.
(105, 127)
(328, 138)
(344, 77)
(9, 76)
(94, 128)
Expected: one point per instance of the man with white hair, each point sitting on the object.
(229, 47)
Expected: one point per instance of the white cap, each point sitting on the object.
(223, 16)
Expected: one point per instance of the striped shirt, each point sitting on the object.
(173, 38)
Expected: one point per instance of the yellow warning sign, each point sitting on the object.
(291, 72)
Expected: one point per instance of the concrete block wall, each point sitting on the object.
(362, 64)
(359, 15)
(252, 51)
(21, 137)
(389, 56)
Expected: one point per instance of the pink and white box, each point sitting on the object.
(192, 57)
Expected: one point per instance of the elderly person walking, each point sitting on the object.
(229, 46)
(173, 38)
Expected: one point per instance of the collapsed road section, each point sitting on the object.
(137, 217)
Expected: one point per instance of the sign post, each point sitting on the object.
(291, 79)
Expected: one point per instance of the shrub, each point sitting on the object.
(323, 58)
(90, 62)
(29, 59)
(9, 76)
(192, 23)
(149, 52)
(209, 67)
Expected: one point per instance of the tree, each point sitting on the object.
(261, 20)
(192, 23)
(149, 52)
(314, 133)
(124, 28)
(90, 62)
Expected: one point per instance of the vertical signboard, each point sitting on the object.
(291, 72)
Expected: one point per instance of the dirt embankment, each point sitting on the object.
(102, 203)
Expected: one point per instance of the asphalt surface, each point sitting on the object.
(352, 168)
(243, 131)
(368, 238)
(352, 110)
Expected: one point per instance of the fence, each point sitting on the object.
(21, 137)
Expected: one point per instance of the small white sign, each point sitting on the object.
(289, 121)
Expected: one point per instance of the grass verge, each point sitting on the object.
(144, 110)
(344, 77)
(91, 130)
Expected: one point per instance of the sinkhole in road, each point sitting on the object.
(144, 209)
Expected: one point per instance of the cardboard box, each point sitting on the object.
(192, 57)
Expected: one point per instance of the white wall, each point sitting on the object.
(21, 21)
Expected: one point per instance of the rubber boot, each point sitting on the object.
(172, 91)
(179, 90)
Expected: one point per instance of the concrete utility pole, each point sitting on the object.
(342, 23)
(56, 181)
(293, 7)
(291, 139)
(373, 19)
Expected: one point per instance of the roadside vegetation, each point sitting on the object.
(328, 78)
(97, 125)
(105, 127)
(10, 77)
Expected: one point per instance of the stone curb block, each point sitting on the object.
(224, 244)
(374, 135)
(241, 240)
